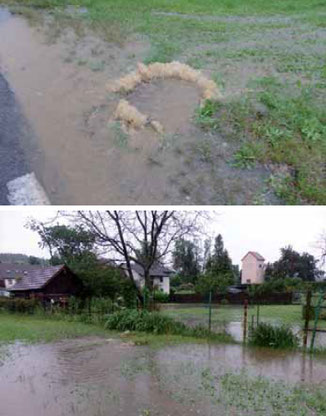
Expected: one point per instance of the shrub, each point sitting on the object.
(266, 335)
(19, 305)
(224, 302)
(134, 320)
(154, 322)
(161, 297)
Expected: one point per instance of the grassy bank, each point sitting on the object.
(33, 329)
(42, 328)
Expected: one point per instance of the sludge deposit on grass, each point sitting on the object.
(262, 143)
(131, 117)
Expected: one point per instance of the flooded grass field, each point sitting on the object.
(263, 143)
(230, 318)
(95, 376)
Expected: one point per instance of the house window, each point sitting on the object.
(248, 280)
(161, 279)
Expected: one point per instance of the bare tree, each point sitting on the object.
(321, 246)
(141, 237)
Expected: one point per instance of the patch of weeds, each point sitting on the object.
(205, 116)
(219, 80)
(290, 131)
(195, 62)
(258, 395)
(268, 335)
(204, 148)
(164, 51)
(245, 157)
(120, 137)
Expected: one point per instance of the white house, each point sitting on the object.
(253, 268)
(160, 275)
(9, 274)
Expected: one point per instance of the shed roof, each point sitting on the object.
(30, 277)
(255, 254)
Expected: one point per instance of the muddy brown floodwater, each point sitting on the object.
(59, 79)
(95, 376)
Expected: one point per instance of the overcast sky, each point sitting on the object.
(262, 229)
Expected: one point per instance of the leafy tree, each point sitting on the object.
(64, 242)
(219, 261)
(34, 260)
(213, 282)
(75, 247)
(294, 265)
(186, 260)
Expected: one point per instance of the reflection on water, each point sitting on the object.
(92, 377)
(4, 14)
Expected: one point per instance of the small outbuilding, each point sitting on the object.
(46, 283)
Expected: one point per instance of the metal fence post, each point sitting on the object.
(306, 324)
(210, 311)
(245, 319)
(317, 312)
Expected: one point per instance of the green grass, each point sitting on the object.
(223, 314)
(290, 134)
(32, 329)
(158, 341)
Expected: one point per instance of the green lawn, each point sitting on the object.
(278, 314)
(33, 329)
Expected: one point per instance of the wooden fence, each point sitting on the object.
(235, 298)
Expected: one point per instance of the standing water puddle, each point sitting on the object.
(60, 79)
(92, 376)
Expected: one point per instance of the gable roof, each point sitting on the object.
(157, 270)
(255, 254)
(30, 277)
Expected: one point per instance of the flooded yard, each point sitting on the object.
(94, 376)
(230, 318)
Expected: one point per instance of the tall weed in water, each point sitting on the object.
(156, 323)
(267, 335)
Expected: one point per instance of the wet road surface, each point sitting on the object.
(13, 129)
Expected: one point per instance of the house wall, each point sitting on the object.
(252, 270)
(63, 283)
(165, 285)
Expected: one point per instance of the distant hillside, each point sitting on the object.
(20, 258)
